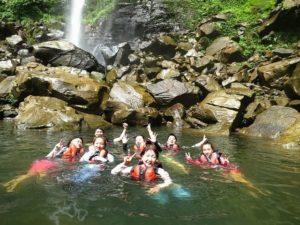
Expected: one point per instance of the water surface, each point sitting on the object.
(215, 198)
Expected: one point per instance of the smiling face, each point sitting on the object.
(207, 149)
(171, 140)
(77, 142)
(99, 133)
(149, 158)
(99, 143)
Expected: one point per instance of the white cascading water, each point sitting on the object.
(74, 26)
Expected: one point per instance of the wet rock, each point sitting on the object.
(175, 114)
(8, 66)
(292, 86)
(67, 84)
(223, 108)
(207, 84)
(286, 16)
(7, 111)
(163, 45)
(283, 52)
(279, 123)
(122, 55)
(170, 91)
(131, 94)
(5, 89)
(140, 116)
(91, 121)
(225, 50)
(168, 74)
(276, 70)
(46, 112)
(64, 53)
(14, 40)
(209, 29)
(295, 104)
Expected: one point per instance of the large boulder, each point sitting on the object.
(64, 53)
(131, 94)
(46, 112)
(225, 50)
(74, 87)
(5, 89)
(222, 107)
(169, 92)
(8, 66)
(270, 73)
(279, 123)
(175, 114)
(292, 86)
(140, 116)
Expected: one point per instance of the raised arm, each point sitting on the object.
(124, 132)
(201, 142)
(123, 168)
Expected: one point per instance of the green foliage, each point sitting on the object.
(95, 9)
(191, 12)
(32, 9)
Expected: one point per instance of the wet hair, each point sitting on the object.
(70, 140)
(208, 143)
(152, 147)
(172, 134)
(103, 138)
(140, 135)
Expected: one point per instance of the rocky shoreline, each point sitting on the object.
(176, 79)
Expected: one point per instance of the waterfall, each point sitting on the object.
(74, 25)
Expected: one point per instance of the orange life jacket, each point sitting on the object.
(139, 149)
(141, 172)
(72, 151)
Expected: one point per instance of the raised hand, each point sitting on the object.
(125, 139)
(188, 156)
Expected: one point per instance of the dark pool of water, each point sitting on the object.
(271, 195)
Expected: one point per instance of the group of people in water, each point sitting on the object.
(145, 153)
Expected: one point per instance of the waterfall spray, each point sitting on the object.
(74, 26)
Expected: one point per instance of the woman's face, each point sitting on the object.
(99, 143)
(139, 140)
(77, 142)
(207, 149)
(171, 140)
(99, 133)
(149, 158)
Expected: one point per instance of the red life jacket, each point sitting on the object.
(139, 149)
(141, 172)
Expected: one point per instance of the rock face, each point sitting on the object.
(169, 91)
(131, 94)
(64, 53)
(283, 17)
(221, 107)
(77, 89)
(225, 50)
(274, 71)
(47, 112)
(279, 123)
(292, 86)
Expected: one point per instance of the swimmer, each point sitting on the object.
(97, 152)
(208, 155)
(147, 170)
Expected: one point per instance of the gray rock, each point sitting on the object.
(64, 53)
(14, 40)
(169, 91)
